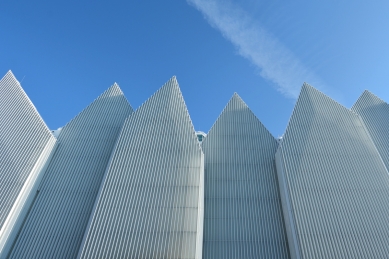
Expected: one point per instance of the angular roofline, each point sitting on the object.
(367, 92)
(306, 85)
(115, 85)
(10, 73)
(174, 81)
(236, 95)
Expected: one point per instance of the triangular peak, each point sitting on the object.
(157, 152)
(10, 75)
(114, 93)
(113, 90)
(10, 84)
(235, 97)
(79, 163)
(169, 95)
(313, 92)
(170, 86)
(236, 102)
(239, 165)
(367, 98)
(375, 114)
(368, 93)
(237, 111)
(314, 104)
(327, 149)
(26, 144)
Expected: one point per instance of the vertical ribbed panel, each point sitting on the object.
(243, 215)
(148, 203)
(334, 185)
(375, 114)
(58, 219)
(23, 137)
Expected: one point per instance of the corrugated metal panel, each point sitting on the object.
(23, 137)
(243, 216)
(148, 203)
(375, 114)
(59, 217)
(334, 183)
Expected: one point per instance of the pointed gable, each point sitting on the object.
(239, 121)
(375, 115)
(23, 138)
(149, 203)
(240, 176)
(61, 211)
(332, 181)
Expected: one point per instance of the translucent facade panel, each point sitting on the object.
(149, 205)
(333, 182)
(57, 221)
(375, 115)
(243, 215)
(23, 137)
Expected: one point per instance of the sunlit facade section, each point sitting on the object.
(150, 204)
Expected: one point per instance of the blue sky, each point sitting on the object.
(67, 53)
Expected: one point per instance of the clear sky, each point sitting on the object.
(66, 53)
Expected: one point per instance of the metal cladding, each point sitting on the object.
(122, 184)
(375, 114)
(150, 201)
(25, 145)
(57, 221)
(23, 137)
(243, 214)
(334, 186)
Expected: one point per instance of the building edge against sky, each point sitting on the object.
(26, 146)
(243, 217)
(72, 180)
(150, 202)
(333, 183)
(374, 113)
(327, 148)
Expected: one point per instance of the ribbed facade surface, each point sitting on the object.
(375, 114)
(333, 183)
(55, 226)
(242, 213)
(148, 205)
(23, 137)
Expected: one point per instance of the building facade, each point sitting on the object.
(333, 182)
(109, 185)
(57, 220)
(243, 217)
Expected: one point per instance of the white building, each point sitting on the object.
(108, 185)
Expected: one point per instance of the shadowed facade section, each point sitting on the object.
(150, 202)
(243, 215)
(333, 183)
(375, 115)
(57, 221)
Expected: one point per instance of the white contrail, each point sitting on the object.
(275, 61)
